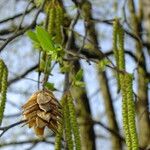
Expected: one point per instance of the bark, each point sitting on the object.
(145, 14)
(79, 94)
(142, 95)
(103, 81)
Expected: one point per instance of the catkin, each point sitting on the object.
(55, 20)
(128, 113)
(73, 120)
(51, 20)
(1, 72)
(4, 85)
(121, 48)
(58, 22)
(67, 124)
(115, 48)
(125, 84)
(59, 135)
(125, 114)
(115, 39)
(58, 138)
(131, 112)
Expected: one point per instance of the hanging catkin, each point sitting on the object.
(67, 125)
(55, 20)
(125, 114)
(74, 124)
(58, 138)
(4, 84)
(125, 84)
(1, 72)
(59, 135)
(59, 22)
(131, 111)
(115, 48)
(121, 48)
(51, 19)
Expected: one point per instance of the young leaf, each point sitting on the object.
(45, 40)
(79, 75)
(32, 36)
(79, 84)
(50, 86)
(65, 68)
(102, 64)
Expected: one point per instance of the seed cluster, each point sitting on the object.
(42, 110)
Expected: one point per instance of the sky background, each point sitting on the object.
(20, 55)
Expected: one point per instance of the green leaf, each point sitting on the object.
(37, 45)
(79, 83)
(45, 40)
(102, 64)
(79, 75)
(65, 68)
(32, 36)
(50, 86)
(54, 56)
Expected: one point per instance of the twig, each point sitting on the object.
(68, 47)
(22, 31)
(16, 16)
(32, 146)
(24, 14)
(84, 38)
(34, 141)
(108, 129)
(4, 129)
(23, 74)
(124, 14)
(110, 22)
(13, 115)
(13, 104)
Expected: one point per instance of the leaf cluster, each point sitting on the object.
(44, 42)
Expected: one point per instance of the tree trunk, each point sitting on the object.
(110, 113)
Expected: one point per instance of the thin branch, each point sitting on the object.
(110, 22)
(32, 141)
(33, 24)
(68, 47)
(13, 104)
(24, 14)
(4, 129)
(13, 115)
(23, 74)
(109, 130)
(17, 15)
(32, 146)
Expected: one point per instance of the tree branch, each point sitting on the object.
(17, 15)
(21, 32)
(4, 129)
(32, 141)
(23, 74)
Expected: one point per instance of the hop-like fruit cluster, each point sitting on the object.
(42, 110)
